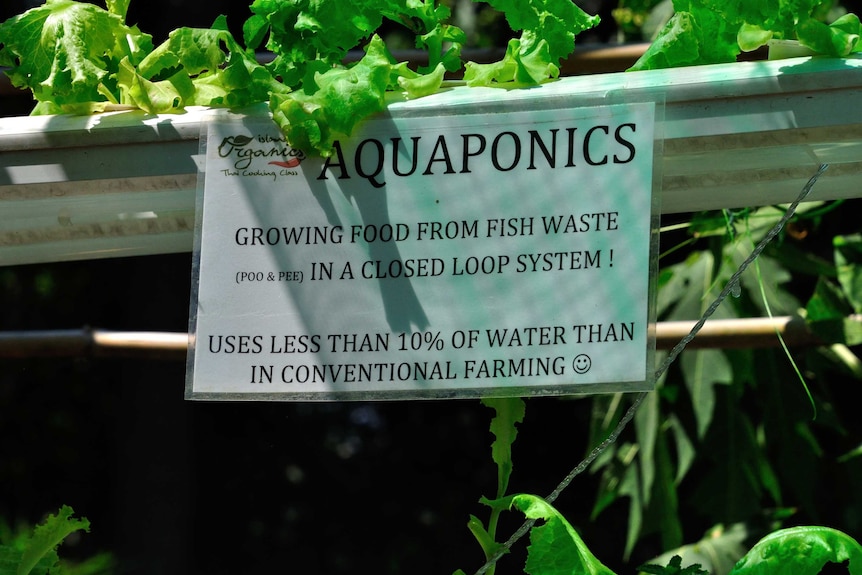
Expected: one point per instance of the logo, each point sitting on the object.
(244, 149)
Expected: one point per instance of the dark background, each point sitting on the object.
(181, 487)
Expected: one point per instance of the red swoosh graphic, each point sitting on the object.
(292, 163)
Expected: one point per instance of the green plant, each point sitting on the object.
(79, 58)
(714, 31)
(36, 552)
(556, 548)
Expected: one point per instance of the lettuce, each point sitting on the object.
(548, 35)
(716, 31)
(79, 58)
(69, 53)
(310, 39)
(37, 554)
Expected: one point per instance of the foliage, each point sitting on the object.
(36, 553)
(556, 548)
(743, 414)
(674, 567)
(79, 58)
(800, 551)
(715, 31)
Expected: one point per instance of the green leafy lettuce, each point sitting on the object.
(555, 547)
(548, 30)
(800, 551)
(310, 40)
(69, 53)
(37, 554)
(716, 31)
(77, 57)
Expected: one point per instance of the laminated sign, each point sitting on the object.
(472, 254)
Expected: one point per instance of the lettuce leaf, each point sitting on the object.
(38, 553)
(333, 102)
(716, 31)
(800, 551)
(68, 53)
(548, 35)
(555, 547)
(310, 39)
(201, 67)
(79, 58)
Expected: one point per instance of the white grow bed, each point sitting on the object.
(735, 135)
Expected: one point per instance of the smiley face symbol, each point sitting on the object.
(582, 363)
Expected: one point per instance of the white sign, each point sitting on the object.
(445, 256)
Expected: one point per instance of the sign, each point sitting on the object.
(445, 256)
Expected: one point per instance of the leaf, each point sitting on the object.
(67, 52)
(685, 452)
(665, 498)
(314, 117)
(751, 37)
(509, 412)
(800, 551)
(715, 31)
(118, 7)
(417, 85)
(716, 553)
(828, 315)
(555, 22)
(696, 36)
(848, 261)
(629, 486)
(486, 542)
(199, 67)
(47, 536)
(647, 425)
(555, 547)
(548, 29)
(839, 39)
(674, 567)
(739, 472)
(702, 369)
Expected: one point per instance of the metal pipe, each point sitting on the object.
(87, 342)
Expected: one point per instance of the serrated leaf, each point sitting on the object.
(674, 567)
(716, 553)
(509, 411)
(557, 22)
(118, 7)
(313, 118)
(66, 52)
(47, 536)
(548, 29)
